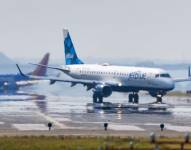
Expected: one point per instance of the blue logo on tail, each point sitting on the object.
(70, 53)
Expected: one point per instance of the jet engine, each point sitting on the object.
(103, 90)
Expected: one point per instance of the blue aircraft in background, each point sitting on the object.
(12, 82)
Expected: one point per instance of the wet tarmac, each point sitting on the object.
(32, 112)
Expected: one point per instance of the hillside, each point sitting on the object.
(4, 60)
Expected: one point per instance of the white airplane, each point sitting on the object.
(105, 79)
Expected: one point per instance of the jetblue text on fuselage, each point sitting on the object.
(137, 75)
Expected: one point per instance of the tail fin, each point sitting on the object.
(70, 53)
(41, 71)
(189, 72)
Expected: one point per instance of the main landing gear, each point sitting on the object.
(158, 95)
(97, 98)
(134, 98)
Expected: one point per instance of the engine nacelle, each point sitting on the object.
(103, 90)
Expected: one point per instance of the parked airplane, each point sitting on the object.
(105, 79)
(14, 81)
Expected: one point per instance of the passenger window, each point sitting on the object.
(157, 75)
(165, 75)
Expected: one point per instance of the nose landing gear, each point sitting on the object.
(159, 99)
(97, 98)
(158, 95)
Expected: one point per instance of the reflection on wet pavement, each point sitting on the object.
(24, 111)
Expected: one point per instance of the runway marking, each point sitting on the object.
(52, 120)
(119, 127)
(30, 127)
(56, 123)
(62, 119)
(152, 124)
(178, 128)
(15, 97)
(1, 123)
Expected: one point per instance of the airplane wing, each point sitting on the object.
(186, 79)
(84, 82)
(182, 80)
(89, 83)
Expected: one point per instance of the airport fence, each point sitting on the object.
(156, 144)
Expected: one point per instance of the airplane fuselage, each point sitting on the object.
(128, 78)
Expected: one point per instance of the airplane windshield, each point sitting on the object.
(165, 75)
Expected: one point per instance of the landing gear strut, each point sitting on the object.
(134, 98)
(158, 95)
(97, 98)
(159, 99)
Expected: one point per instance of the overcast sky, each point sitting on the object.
(132, 29)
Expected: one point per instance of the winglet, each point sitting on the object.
(22, 74)
(189, 72)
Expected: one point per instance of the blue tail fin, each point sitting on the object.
(71, 57)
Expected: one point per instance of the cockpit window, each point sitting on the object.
(165, 75)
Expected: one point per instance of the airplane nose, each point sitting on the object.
(170, 84)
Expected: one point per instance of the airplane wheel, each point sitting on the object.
(159, 99)
(130, 98)
(136, 98)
